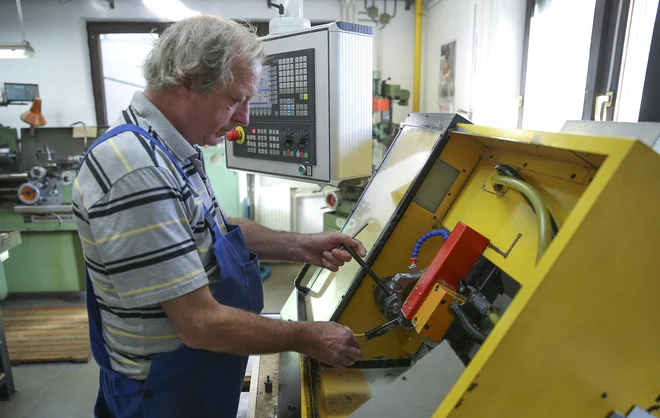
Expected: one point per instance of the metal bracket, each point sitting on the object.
(280, 7)
(502, 253)
(501, 192)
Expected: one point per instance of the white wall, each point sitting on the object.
(393, 47)
(489, 43)
(61, 65)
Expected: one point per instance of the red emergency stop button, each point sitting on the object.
(237, 135)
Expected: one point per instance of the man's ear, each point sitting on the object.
(184, 89)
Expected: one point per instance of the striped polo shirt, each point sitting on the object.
(143, 234)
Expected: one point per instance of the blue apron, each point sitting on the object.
(186, 382)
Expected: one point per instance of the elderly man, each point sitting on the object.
(173, 291)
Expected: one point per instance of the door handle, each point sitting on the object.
(603, 102)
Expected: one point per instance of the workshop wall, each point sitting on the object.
(61, 65)
(487, 57)
(393, 46)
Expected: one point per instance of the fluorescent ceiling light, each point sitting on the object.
(16, 50)
(21, 49)
(170, 9)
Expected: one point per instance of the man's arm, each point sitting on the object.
(317, 249)
(203, 323)
(269, 244)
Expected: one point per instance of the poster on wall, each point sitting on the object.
(447, 75)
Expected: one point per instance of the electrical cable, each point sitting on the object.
(505, 170)
(535, 200)
(472, 331)
(442, 232)
(59, 219)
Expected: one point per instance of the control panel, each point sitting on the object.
(282, 114)
(311, 116)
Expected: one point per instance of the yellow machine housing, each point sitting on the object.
(578, 335)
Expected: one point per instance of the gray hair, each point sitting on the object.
(200, 52)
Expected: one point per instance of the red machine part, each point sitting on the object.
(380, 104)
(454, 261)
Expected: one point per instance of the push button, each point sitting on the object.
(237, 135)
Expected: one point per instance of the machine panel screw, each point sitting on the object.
(604, 395)
(437, 287)
(442, 302)
(426, 326)
(415, 320)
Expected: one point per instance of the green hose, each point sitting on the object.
(545, 232)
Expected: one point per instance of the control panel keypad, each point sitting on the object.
(263, 141)
(282, 113)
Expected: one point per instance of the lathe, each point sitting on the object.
(509, 273)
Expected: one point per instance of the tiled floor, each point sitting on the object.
(64, 390)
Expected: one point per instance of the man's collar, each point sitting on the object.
(167, 133)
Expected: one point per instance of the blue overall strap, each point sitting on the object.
(136, 129)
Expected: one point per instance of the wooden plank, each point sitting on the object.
(28, 311)
(45, 349)
(52, 359)
(54, 319)
(48, 339)
(49, 327)
(47, 334)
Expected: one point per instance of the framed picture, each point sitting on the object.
(446, 92)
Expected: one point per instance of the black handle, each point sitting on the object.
(299, 278)
(369, 271)
(305, 268)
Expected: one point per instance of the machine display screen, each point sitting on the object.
(264, 92)
(16, 92)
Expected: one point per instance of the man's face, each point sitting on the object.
(213, 115)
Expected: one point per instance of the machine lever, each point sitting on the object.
(371, 273)
(305, 268)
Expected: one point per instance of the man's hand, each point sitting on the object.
(321, 249)
(331, 344)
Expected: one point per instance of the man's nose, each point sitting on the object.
(242, 114)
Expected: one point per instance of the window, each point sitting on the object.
(117, 51)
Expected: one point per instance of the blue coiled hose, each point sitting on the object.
(265, 271)
(434, 233)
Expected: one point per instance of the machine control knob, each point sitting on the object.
(287, 137)
(302, 138)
